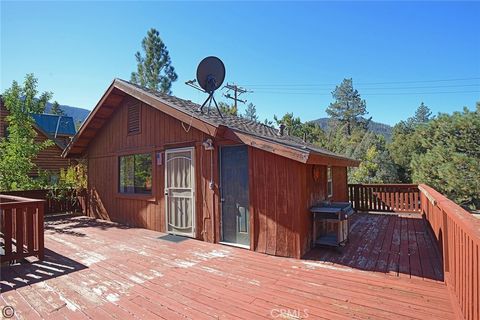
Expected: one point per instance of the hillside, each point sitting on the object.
(376, 127)
(78, 114)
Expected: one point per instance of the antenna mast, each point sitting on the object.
(237, 91)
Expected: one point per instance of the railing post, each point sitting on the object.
(356, 197)
(40, 231)
(7, 233)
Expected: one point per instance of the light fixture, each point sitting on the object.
(208, 145)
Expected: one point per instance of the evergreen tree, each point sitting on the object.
(19, 149)
(293, 125)
(227, 109)
(376, 163)
(154, 69)
(422, 114)
(368, 167)
(312, 133)
(450, 160)
(309, 132)
(406, 142)
(348, 108)
(55, 109)
(251, 112)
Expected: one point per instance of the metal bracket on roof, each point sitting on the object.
(58, 125)
(209, 100)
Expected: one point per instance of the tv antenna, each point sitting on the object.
(210, 76)
(237, 91)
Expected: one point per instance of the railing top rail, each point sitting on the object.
(469, 223)
(6, 196)
(12, 200)
(408, 185)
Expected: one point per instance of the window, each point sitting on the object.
(135, 174)
(329, 182)
(133, 119)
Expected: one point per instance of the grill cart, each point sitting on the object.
(330, 224)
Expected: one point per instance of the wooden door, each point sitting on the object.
(180, 191)
(234, 195)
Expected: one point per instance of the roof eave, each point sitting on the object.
(331, 160)
(48, 136)
(66, 151)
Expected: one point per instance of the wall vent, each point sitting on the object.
(133, 122)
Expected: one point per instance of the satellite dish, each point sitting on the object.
(210, 76)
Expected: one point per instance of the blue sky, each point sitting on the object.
(290, 54)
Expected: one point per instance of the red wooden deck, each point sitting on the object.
(99, 270)
(397, 244)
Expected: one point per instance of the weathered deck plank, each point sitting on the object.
(94, 269)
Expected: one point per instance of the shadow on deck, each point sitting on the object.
(63, 224)
(27, 273)
(397, 244)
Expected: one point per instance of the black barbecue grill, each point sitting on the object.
(330, 223)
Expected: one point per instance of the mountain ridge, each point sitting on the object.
(375, 127)
(78, 114)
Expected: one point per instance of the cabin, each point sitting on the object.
(57, 128)
(156, 161)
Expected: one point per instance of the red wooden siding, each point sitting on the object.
(281, 189)
(277, 191)
(282, 192)
(158, 132)
(340, 186)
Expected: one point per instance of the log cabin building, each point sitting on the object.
(57, 128)
(155, 161)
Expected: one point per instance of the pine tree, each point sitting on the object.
(348, 108)
(309, 132)
(154, 69)
(55, 109)
(406, 142)
(227, 109)
(251, 112)
(422, 114)
(450, 160)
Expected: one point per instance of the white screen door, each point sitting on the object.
(180, 191)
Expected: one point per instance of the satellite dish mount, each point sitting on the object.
(210, 76)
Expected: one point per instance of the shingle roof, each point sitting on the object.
(237, 123)
(52, 123)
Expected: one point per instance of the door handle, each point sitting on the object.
(222, 200)
(166, 192)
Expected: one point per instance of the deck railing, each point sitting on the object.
(458, 236)
(72, 201)
(385, 197)
(21, 221)
(457, 233)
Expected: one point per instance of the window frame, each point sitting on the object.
(329, 182)
(139, 196)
